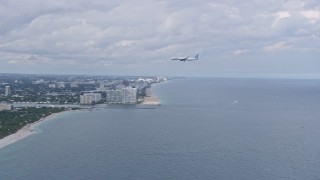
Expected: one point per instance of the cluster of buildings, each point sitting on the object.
(120, 94)
(64, 89)
(126, 95)
(63, 85)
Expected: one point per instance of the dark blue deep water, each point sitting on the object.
(204, 129)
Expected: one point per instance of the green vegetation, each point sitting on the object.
(12, 121)
(143, 91)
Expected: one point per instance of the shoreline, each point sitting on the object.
(29, 129)
(25, 131)
(150, 98)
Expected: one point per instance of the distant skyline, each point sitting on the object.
(138, 37)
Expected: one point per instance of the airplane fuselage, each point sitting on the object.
(185, 58)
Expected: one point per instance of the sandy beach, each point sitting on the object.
(150, 98)
(23, 132)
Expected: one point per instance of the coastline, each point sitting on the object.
(27, 130)
(24, 132)
(150, 98)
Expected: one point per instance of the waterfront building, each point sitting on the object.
(126, 95)
(114, 96)
(7, 91)
(86, 99)
(90, 98)
(96, 97)
(129, 95)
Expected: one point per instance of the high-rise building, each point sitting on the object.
(96, 97)
(86, 99)
(90, 98)
(129, 95)
(114, 96)
(126, 95)
(7, 91)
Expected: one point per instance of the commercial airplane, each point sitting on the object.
(184, 59)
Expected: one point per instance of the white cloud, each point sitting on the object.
(241, 51)
(229, 10)
(294, 5)
(279, 16)
(12, 61)
(312, 15)
(125, 43)
(140, 32)
(277, 47)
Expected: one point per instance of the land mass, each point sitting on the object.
(20, 123)
(17, 124)
(26, 100)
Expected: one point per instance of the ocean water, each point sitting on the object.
(204, 129)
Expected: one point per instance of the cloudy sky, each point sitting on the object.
(138, 37)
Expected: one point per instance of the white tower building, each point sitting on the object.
(129, 95)
(7, 91)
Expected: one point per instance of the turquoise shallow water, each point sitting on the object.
(204, 129)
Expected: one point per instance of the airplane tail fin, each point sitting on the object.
(196, 56)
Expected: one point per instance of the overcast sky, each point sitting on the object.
(138, 37)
